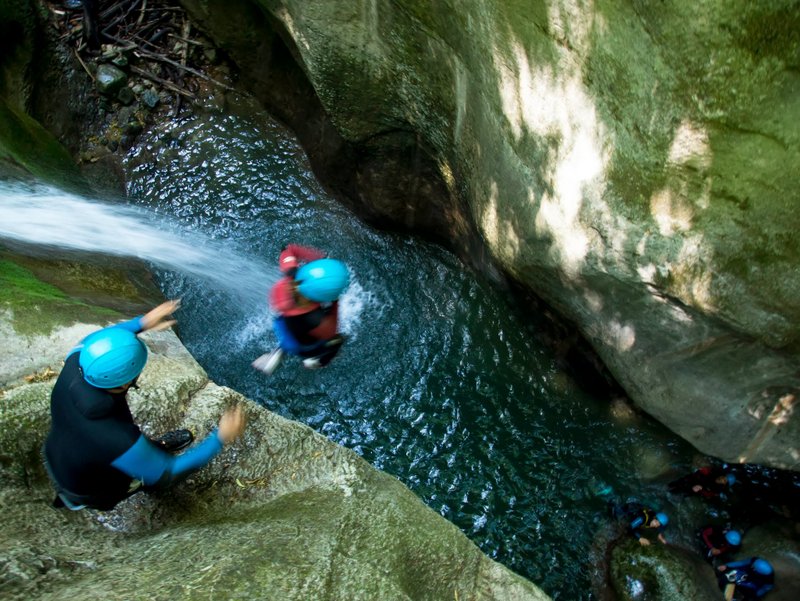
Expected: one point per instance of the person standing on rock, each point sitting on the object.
(95, 454)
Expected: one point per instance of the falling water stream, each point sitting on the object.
(49, 217)
(441, 382)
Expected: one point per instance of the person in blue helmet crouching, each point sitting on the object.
(641, 521)
(713, 483)
(94, 453)
(749, 579)
(718, 543)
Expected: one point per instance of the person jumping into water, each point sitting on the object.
(306, 303)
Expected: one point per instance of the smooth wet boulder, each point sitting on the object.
(110, 79)
(660, 572)
(631, 163)
(284, 513)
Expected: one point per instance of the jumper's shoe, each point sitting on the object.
(269, 362)
(174, 441)
(312, 363)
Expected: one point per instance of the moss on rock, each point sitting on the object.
(38, 307)
(660, 573)
(25, 142)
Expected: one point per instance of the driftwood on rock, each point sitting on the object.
(151, 39)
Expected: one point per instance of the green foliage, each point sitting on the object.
(25, 142)
(38, 307)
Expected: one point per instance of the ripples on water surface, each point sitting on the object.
(440, 383)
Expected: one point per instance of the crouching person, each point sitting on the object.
(95, 454)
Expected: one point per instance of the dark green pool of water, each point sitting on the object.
(441, 383)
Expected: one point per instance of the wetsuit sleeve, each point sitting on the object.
(764, 590)
(635, 525)
(146, 462)
(132, 325)
(738, 564)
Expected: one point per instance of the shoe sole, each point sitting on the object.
(268, 362)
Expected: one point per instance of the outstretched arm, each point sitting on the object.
(154, 467)
(156, 319)
(146, 462)
(160, 318)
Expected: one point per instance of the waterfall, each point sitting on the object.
(47, 217)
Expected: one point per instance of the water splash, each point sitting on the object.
(47, 217)
(356, 301)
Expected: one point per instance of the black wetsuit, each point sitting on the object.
(91, 427)
(637, 518)
(706, 479)
(713, 537)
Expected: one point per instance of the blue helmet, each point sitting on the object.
(662, 518)
(731, 479)
(733, 537)
(762, 567)
(112, 357)
(322, 280)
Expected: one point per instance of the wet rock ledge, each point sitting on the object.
(283, 513)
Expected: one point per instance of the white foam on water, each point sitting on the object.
(256, 328)
(356, 301)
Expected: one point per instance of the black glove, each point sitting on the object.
(174, 441)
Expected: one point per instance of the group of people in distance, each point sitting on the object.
(749, 578)
(96, 455)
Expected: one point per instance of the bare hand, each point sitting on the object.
(644, 542)
(160, 318)
(231, 425)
